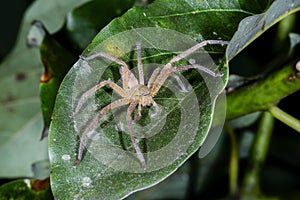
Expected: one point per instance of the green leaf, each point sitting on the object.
(21, 122)
(94, 179)
(57, 61)
(84, 22)
(252, 27)
(26, 189)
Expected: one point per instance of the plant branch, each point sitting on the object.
(285, 118)
(250, 186)
(263, 94)
(233, 164)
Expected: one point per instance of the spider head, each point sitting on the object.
(142, 93)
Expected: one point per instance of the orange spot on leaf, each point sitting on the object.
(47, 75)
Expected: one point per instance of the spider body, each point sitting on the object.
(134, 92)
(141, 93)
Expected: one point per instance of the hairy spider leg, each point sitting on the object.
(200, 67)
(114, 86)
(140, 64)
(159, 79)
(115, 104)
(128, 78)
(139, 112)
(141, 78)
(137, 149)
(193, 49)
(153, 77)
(166, 71)
(126, 75)
(104, 55)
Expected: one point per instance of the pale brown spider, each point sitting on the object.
(135, 92)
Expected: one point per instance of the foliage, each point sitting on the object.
(255, 157)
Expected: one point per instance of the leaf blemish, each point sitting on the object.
(66, 157)
(86, 181)
(20, 77)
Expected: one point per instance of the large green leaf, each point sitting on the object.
(94, 179)
(20, 72)
(252, 27)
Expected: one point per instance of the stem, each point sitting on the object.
(285, 27)
(263, 94)
(233, 165)
(285, 118)
(250, 186)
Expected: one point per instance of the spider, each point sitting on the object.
(135, 92)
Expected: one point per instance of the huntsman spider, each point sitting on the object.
(135, 92)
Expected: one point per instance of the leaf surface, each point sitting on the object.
(252, 27)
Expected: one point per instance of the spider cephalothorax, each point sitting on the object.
(134, 92)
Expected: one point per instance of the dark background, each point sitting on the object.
(11, 13)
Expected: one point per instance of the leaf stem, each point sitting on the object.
(285, 27)
(233, 164)
(285, 118)
(250, 187)
(262, 94)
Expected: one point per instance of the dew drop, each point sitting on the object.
(66, 157)
(86, 181)
(192, 61)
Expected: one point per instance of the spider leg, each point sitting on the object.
(114, 86)
(115, 104)
(104, 55)
(200, 67)
(153, 77)
(126, 74)
(168, 70)
(135, 145)
(193, 49)
(128, 78)
(140, 64)
(139, 112)
(159, 80)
